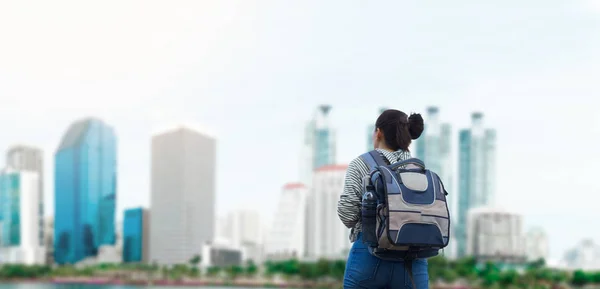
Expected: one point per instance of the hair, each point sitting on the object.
(399, 129)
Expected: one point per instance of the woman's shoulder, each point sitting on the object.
(358, 164)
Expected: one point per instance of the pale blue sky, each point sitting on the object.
(254, 71)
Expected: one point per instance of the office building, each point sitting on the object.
(584, 256)
(220, 255)
(19, 196)
(85, 178)
(495, 235)
(135, 235)
(243, 231)
(371, 130)
(182, 194)
(477, 173)
(244, 226)
(319, 146)
(537, 245)
(287, 236)
(434, 147)
(326, 236)
(29, 158)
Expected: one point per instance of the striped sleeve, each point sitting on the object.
(348, 208)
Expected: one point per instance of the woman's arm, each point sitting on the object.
(348, 208)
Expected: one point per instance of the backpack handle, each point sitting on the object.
(413, 161)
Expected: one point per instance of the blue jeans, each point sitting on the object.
(365, 271)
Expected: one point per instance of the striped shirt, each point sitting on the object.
(349, 205)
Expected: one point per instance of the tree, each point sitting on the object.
(308, 271)
(234, 271)
(251, 268)
(194, 261)
(509, 278)
(580, 278)
(213, 271)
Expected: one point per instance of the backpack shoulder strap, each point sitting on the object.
(373, 159)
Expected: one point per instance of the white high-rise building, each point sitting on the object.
(19, 196)
(327, 237)
(222, 230)
(584, 256)
(287, 235)
(182, 194)
(495, 235)
(29, 158)
(537, 245)
(319, 146)
(244, 227)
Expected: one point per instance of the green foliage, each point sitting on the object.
(234, 271)
(194, 261)
(251, 269)
(490, 275)
(213, 271)
(23, 271)
(580, 278)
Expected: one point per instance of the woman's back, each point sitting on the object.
(391, 138)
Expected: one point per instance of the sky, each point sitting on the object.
(254, 71)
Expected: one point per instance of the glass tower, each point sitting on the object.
(434, 147)
(319, 144)
(133, 226)
(477, 169)
(11, 214)
(85, 191)
(28, 158)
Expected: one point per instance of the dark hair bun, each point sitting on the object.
(415, 125)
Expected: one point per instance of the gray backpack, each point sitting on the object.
(404, 211)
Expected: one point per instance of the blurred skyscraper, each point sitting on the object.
(326, 236)
(537, 245)
(28, 158)
(135, 235)
(371, 130)
(584, 256)
(477, 172)
(286, 238)
(19, 193)
(495, 235)
(182, 194)
(244, 227)
(85, 178)
(319, 146)
(434, 147)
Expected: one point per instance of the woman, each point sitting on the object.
(394, 131)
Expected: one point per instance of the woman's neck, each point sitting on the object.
(386, 148)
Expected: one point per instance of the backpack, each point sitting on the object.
(405, 215)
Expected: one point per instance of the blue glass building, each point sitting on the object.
(434, 147)
(85, 191)
(134, 235)
(11, 215)
(319, 144)
(476, 184)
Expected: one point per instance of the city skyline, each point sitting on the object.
(255, 71)
(267, 216)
